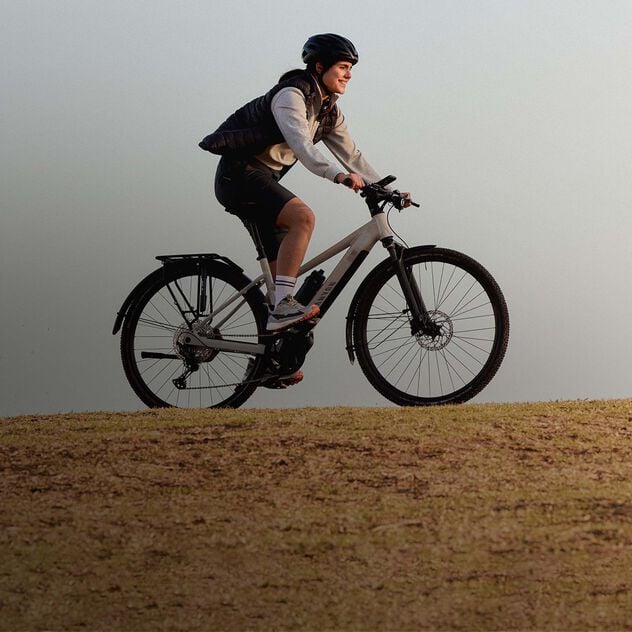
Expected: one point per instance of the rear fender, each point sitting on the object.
(166, 260)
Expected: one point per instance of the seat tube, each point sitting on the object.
(267, 276)
(262, 259)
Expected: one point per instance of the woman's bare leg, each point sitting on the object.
(298, 219)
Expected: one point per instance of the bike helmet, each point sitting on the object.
(328, 48)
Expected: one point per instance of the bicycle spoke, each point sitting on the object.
(185, 375)
(434, 364)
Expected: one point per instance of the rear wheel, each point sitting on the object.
(165, 372)
(463, 353)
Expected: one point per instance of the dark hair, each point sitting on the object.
(327, 63)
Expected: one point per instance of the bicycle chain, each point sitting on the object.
(206, 388)
(257, 381)
(201, 333)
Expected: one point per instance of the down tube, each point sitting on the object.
(334, 285)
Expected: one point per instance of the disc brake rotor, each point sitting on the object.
(436, 343)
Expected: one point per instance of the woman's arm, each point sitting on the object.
(343, 147)
(288, 109)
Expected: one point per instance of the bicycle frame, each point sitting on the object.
(358, 244)
(174, 327)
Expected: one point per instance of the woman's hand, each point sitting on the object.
(351, 180)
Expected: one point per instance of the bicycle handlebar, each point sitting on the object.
(378, 192)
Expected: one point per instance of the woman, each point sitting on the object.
(264, 138)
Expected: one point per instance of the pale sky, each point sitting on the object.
(510, 121)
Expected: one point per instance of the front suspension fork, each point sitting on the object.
(420, 321)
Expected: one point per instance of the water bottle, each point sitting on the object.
(310, 286)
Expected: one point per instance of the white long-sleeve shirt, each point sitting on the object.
(288, 109)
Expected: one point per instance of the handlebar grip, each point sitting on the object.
(348, 182)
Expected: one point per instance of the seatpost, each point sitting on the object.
(253, 230)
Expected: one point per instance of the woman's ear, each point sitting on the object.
(319, 68)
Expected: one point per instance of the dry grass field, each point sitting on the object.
(487, 517)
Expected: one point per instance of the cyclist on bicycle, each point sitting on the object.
(262, 140)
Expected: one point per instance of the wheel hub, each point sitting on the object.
(443, 338)
(194, 353)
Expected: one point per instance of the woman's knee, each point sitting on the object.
(296, 215)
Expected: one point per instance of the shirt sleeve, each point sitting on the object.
(288, 109)
(343, 147)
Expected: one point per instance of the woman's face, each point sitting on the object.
(336, 77)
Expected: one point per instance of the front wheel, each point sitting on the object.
(459, 358)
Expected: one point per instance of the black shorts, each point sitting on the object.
(251, 191)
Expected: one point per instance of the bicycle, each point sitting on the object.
(428, 325)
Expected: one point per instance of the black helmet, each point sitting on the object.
(329, 48)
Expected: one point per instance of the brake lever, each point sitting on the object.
(399, 201)
(376, 186)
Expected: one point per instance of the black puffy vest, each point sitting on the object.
(252, 128)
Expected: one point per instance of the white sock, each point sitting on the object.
(284, 286)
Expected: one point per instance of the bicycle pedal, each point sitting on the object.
(283, 381)
(305, 326)
(274, 385)
(300, 328)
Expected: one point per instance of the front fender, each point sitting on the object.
(361, 291)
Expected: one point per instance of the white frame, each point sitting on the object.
(362, 239)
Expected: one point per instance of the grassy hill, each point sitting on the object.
(476, 516)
